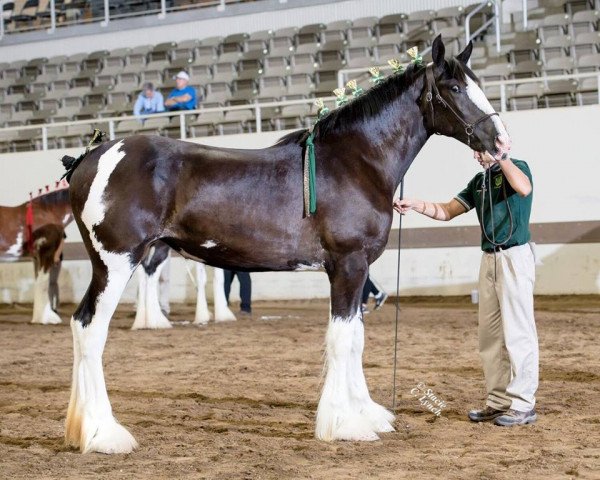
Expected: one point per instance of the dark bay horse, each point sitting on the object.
(17, 240)
(243, 210)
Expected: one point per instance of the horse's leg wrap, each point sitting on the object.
(90, 423)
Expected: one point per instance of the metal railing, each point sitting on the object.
(541, 80)
(183, 116)
(104, 17)
(494, 20)
(257, 108)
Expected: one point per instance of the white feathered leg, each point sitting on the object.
(222, 312)
(42, 311)
(379, 417)
(202, 313)
(90, 424)
(346, 411)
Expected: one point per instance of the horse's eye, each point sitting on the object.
(455, 89)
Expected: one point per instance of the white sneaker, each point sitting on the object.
(380, 299)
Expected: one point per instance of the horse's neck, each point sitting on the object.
(393, 138)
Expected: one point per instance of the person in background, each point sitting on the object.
(245, 289)
(508, 342)
(380, 295)
(183, 96)
(149, 101)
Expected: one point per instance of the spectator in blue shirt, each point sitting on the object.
(148, 101)
(182, 97)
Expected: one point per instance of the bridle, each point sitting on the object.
(433, 92)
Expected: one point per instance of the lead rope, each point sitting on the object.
(510, 232)
(397, 302)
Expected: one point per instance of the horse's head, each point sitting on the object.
(454, 105)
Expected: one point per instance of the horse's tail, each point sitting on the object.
(71, 163)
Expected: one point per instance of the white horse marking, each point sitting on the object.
(94, 209)
(209, 244)
(346, 411)
(477, 96)
(302, 267)
(17, 248)
(90, 423)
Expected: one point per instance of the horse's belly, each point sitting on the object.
(237, 254)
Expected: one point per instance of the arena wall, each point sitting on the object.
(437, 258)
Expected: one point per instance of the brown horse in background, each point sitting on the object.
(48, 244)
(18, 227)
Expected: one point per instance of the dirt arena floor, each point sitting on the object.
(238, 400)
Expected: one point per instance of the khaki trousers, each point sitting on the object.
(508, 343)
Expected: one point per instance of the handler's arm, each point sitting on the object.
(437, 211)
(517, 179)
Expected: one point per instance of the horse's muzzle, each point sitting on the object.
(503, 145)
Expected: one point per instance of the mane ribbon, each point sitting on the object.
(309, 177)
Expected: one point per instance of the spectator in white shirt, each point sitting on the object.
(149, 101)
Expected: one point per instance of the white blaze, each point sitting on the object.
(478, 98)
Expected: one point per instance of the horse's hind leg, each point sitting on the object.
(346, 411)
(90, 423)
(149, 313)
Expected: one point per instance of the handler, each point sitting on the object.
(508, 343)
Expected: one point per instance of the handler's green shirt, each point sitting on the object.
(520, 207)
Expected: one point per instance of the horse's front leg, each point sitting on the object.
(222, 311)
(346, 411)
(149, 312)
(202, 314)
(42, 309)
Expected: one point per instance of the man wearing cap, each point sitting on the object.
(508, 342)
(148, 101)
(183, 96)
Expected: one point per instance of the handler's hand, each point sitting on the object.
(485, 159)
(406, 204)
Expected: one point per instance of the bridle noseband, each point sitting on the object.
(433, 92)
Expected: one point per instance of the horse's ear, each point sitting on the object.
(438, 51)
(466, 53)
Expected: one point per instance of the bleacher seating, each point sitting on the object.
(288, 64)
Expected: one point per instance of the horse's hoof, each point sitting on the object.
(111, 438)
(379, 417)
